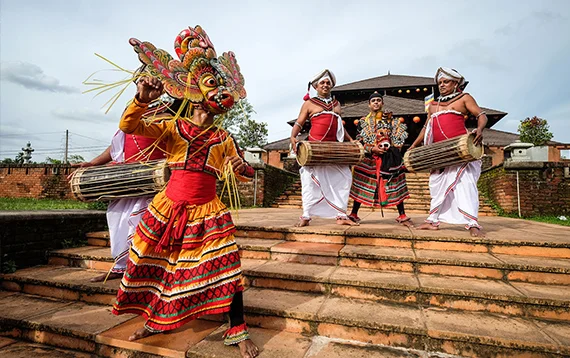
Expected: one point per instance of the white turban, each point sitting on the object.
(450, 74)
(324, 74)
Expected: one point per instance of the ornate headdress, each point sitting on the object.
(199, 76)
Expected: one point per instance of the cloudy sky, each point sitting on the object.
(514, 53)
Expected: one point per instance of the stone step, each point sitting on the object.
(287, 206)
(476, 334)
(469, 294)
(513, 299)
(386, 234)
(83, 330)
(98, 238)
(446, 263)
(21, 349)
(510, 268)
(422, 208)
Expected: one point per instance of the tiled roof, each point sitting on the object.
(491, 137)
(283, 144)
(386, 81)
(497, 138)
(399, 106)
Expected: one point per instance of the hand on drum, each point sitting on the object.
(238, 165)
(79, 165)
(294, 142)
(149, 89)
(478, 137)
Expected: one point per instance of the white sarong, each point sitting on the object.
(123, 215)
(454, 195)
(325, 189)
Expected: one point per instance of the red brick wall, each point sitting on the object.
(42, 181)
(273, 158)
(35, 181)
(542, 191)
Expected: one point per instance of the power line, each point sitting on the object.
(84, 136)
(56, 150)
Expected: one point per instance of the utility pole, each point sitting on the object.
(66, 146)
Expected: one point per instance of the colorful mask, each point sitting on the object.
(199, 76)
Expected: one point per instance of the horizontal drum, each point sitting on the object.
(119, 180)
(327, 153)
(443, 154)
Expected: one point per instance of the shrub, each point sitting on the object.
(534, 130)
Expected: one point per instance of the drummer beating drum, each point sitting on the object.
(453, 190)
(325, 188)
(124, 214)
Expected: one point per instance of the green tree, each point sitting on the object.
(252, 134)
(72, 159)
(237, 115)
(534, 130)
(8, 161)
(238, 121)
(53, 161)
(19, 158)
(75, 158)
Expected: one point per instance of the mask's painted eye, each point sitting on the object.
(209, 81)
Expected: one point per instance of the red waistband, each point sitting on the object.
(185, 188)
(193, 188)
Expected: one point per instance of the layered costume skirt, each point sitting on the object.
(380, 181)
(184, 261)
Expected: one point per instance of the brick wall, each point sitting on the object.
(271, 182)
(542, 191)
(49, 181)
(35, 181)
(26, 236)
(246, 190)
(276, 182)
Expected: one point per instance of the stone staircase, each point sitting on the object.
(330, 292)
(419, 201)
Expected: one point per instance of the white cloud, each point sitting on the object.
(80, 114)
(32, 77)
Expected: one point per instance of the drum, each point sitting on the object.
(443, 154)
(119, 180)
(326, 153)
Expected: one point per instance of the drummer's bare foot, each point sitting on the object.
(476, 232)
(140, 334)
(302, 222)
(346, 222)
(102, 277)
(427, 226)
(247, 349)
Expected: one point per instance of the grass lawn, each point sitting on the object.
(551, 220)
(12, 204)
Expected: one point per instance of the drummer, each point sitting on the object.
(380, 180)
(453, 190)
(325, 188)
(124, 214)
